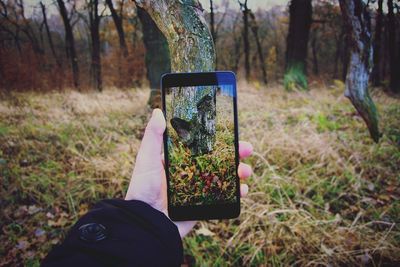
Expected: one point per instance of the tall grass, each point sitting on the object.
(322, 193)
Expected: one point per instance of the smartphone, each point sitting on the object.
(201, 145)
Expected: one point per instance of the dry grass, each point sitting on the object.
(322, 193)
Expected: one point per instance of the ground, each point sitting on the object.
(322, 193)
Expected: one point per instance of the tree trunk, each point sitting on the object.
(357, 21)
(300, 12)
(212, 28)
(314, 53)
(246, 44)
(376, 71)
(345, 56)
(50, 39)
(212, 21)
(157, 56)
(94, 24)
(393, 66)
(339, 45)
(70, 42)
(254, 28)
(123, 53)
(119, 26)
(385, 50)
(192, 50)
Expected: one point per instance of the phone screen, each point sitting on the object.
(201, 145)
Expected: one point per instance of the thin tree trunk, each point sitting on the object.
(314, 53)
(254, 28)
(385, 50)
(376, 71)
(191, 49)
(70, 42)
(357, 21)
(27, 29)
(94, 24)
(394, 79)
(300, 12)
(345, 57)
(212, 28)
(118, 22)
(119, 26)
(246, 44)
(339, 44)
(157, 56)
(212, 21)
(50, 39)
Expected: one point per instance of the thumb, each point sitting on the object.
(151, 146)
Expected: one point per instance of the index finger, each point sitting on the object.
(245, 149)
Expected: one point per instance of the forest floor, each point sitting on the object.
(322, 193)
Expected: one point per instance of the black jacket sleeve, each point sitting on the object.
(120, 233)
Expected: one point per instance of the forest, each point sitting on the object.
(318, 98)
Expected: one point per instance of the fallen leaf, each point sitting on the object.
(204, 231)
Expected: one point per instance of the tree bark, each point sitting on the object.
(357, 21)
(192, 50)
(157, 57)
(49, 38)
(94, 24)
(70, 42)
(393, 66)
(254, 29)
(300, 12)
(376, 70)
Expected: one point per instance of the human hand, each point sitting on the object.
(148, 182)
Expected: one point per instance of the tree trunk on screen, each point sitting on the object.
(254, 29)
(94, 25)
(357, 21)
(191, 49)
(157, 57)
(393, 61)
(300, 15)
(376, 71)
(70, 42)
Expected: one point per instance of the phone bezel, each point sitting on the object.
(202, 212)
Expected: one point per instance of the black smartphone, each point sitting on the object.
(201, 145)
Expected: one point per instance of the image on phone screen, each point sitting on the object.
(201, 145)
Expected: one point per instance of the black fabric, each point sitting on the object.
(135, 235)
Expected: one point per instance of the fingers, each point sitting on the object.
(150, 148)
(245, 149)
(244, 171)
(244, 189)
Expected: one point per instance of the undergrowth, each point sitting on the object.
(322, 193)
